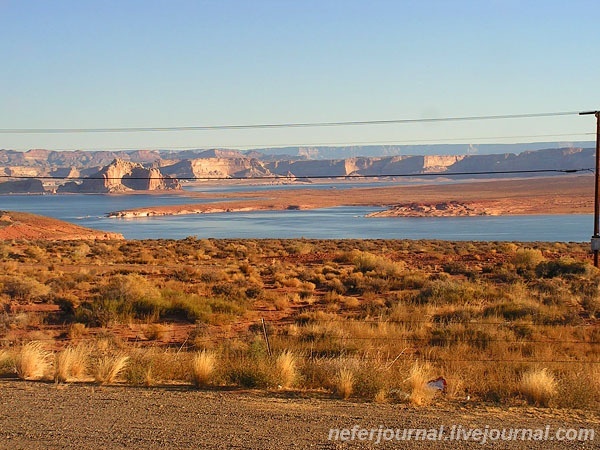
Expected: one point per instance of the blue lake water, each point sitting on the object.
(326, 223)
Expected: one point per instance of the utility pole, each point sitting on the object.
(596, 236)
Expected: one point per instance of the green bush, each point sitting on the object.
(551, 269)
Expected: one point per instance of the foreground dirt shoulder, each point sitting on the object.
(48, 416)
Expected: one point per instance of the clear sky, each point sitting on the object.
(146, 63)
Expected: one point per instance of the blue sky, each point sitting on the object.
(93, 64)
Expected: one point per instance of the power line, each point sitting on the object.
(279, 177)
(280, 125)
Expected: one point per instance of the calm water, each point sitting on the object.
(340, 222)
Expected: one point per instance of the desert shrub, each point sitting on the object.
(281, 302)
(299, 248)
(213, 276)
(458, 268)
(129, 288)
(372, 382)
(335, 285)
(368, 262)
(24, 288)
(579, 388)
(7, 363)
(156, 331)
(103, 312)
(538, 386)
(35, 252)
(443, 291)
(229, 290)
(551, 269)
(139, 370)
(254, 291)
(186, 274)
(526, 260)
(511, 310)
(68, 303)
(248, 372)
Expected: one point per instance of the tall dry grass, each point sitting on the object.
(203, 366)
(71, 363)
(107, 368)
(538, 386)
(419, 392)
(286, 366)
(33, 361)
(345, 383)
(6, 362)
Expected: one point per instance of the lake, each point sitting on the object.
(89, 210)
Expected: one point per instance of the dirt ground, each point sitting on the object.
(49, 416)
(555, 195)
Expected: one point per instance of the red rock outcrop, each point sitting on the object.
(19, 225)
(122, 176)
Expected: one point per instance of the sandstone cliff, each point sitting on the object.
(223, 163)
(121, 176)
(217, 167)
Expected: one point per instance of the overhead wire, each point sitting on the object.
(282, 125)
(283, 177)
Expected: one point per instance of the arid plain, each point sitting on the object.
(162, 343)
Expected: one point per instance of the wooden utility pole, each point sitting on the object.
(596, 236)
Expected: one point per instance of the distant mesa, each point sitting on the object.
(143, 170)
(30, 186)
(122, 176)
(20, 225)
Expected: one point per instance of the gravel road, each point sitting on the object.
(48, 416)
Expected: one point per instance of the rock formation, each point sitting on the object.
(217, 167)
(223, 163)
(122, 176)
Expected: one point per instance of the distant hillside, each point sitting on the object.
(342, 152)
(162, 168)
(20, 225)
(22, 187)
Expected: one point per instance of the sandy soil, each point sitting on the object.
(48, 416)
(18, 225)
(555, 195)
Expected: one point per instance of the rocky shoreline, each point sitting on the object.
(441, 209)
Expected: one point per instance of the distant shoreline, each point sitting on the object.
(535, 196)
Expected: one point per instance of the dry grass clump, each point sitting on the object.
(538, 386)
(345, 383)
(203, 367)
(33, 361)
(71, 363)
(287, 369)
(6, 362)
(156, 332)
(108, 368)
(420, 392)
(76, 330)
